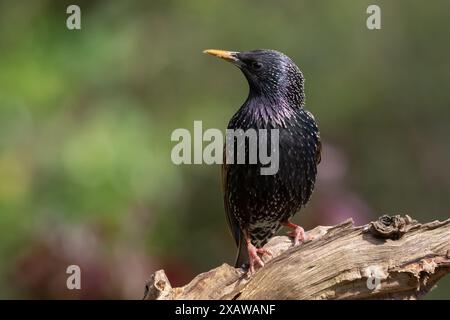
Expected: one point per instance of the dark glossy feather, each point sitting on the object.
(256, 203)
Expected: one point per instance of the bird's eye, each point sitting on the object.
(256, 65)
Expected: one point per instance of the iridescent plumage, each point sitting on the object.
(257, 205)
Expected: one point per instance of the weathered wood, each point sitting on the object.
(391, 258)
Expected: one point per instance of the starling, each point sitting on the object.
(257, 205)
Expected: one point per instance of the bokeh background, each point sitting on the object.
(86, 118)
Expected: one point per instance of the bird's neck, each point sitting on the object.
(289, 94)
(274, 110)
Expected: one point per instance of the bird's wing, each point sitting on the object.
(318, 140)
(318, 150)
(233, 224)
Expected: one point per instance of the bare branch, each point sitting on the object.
(391, 258)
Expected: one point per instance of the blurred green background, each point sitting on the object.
(86, 118)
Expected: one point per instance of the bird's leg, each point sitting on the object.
(253, 254)
(297, 232)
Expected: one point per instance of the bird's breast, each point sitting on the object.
(254, 195)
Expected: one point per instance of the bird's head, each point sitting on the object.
(270, 74)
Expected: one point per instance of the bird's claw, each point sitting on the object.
(254, 258)
(299, 235)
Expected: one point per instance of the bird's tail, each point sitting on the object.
(242, 253)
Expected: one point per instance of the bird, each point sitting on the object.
(257, 206)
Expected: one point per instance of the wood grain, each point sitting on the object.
(391, 258)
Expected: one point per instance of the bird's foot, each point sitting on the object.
(254, 258)
(298, 233)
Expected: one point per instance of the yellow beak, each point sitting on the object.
(226, 55)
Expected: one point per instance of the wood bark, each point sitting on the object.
(391, 258)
